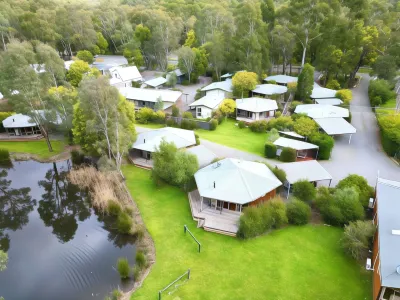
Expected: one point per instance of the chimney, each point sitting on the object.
(214, 184)
(144, 141)
(13, 120)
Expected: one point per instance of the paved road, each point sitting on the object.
(364, 156)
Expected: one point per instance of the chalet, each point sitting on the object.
(205, 105)
(255, 109)
(385, 262)
(123, 76)
(304, 150)
(225, 187)
(309, 170)
(105, 62)
(148, 142)
(20, 124)
(156, 82)
(149, 97)
(219, 89)
(281, 79)
(268, 90)
(180, 76)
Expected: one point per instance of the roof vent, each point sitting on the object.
(214, 184)
(395, 232)
(13, 120)
(216, 165)
(144, 141)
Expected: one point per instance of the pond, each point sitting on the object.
(58, 247)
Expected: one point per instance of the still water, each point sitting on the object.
(58, 247)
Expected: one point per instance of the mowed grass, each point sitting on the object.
(38, 148)
(304, 262)
(232, 136)
(387, 108)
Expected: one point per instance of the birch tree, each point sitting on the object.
(186, 58)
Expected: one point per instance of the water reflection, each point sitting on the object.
(62, 204)
(15, 205)
(58, 246)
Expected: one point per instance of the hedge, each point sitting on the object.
(288, 155)
(270, 150)
(298, 212)
(390, 133)
(325, 144)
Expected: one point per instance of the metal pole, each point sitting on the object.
(159, 295)
(189, 274)
(184, 228)
(350, 138)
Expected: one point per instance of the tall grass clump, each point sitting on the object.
(5, 159)
(123, 267)
(124, 223)
(141, 260)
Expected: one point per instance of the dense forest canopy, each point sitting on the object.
(337, 37)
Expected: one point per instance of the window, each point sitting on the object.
(198, 111)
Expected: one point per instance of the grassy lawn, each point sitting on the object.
(304, 262)
(151, 125)
(364, 70)
(34, 147)
(232, 136)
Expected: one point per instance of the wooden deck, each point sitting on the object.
(225, 222)
(4, 137)
(141, 162)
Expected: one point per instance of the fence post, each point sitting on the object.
(184, 228)
(189, 274)
(159, 295)
(199, 247)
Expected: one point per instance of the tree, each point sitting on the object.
(357, 238)
(360, 184)
(190, 39)
(171, 79)
(80, 69)
(302, 19)
(384, 67)
(305, 126)
(175, 111)
(52, 63)
(186, 59)
(173, 166)
(159, 104)
(101, 43)
(298, 212)
(227, 107)
(304, 190)
(107, 115)
(215, 50)
(200, 63)
(305, 83)
(86, 56)
(380, 91)
(3, 260)
(243, 82)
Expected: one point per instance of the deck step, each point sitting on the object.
(219, 231)
(142, 167)
(200, 223)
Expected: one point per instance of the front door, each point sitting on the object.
(17, 131)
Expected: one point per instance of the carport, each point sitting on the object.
(336, 126)
(303, 150)
(309, 170)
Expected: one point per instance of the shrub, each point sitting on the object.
(357, 238)
(124, 223)
(278, 114)
(187, 115)
(241, 124)
(213, 124)
(272, 135)
(298, 212)
(259, 126)
(281, 123)
(123, 267)
(360, 184)
(227, 107)
(345, 95)
(305, 126)
(85, 56)
(279, 173)
(288, 155)
(304, 190)
(333, 84)
(77, 157)
(390, 133)
(158, 117)
(141, 259)
(380, 91)
(136, 272)
(144, 115)
(175, 111)
(257, 220)
(113, 208)
(324, 142)
(4, 155)
(292, 87)
(340, 208)
(270, 150)
(197, 139)
(171, 123)
(272, 81)
(3, 116)
(217, 114)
